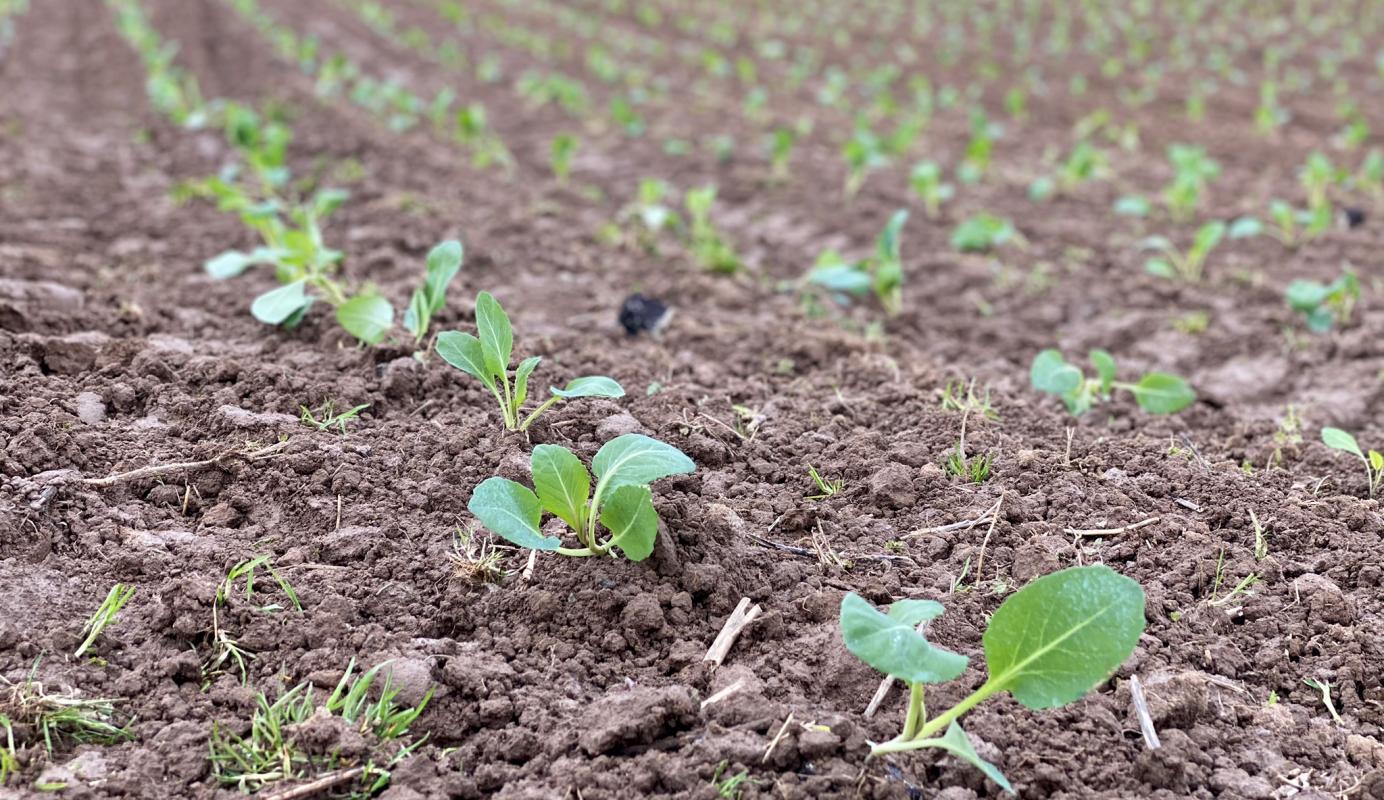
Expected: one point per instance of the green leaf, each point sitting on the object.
(846, 278)
(1337, 439)
(233, 262)
(277, 305)
(463, 351)
(1160, 267)
(1057, 638)
(1320, 320)
(368, 317)
(1161, 393)
(418, 314)
(1105, 368)
(891, 644)
(1208, 236)
(1306, 296)
(444, 262)
(521, 379)
(639, 460)
(510, 510)
(1133, 206)
(1246, 227)
(1052, 374)
(590, 386)
(630, 517)
(888, 246)
(497, 337)
(562, 483)
(956, 742)
(1377, 460)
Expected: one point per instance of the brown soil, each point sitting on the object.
(585, 679)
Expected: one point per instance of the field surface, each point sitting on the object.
(1258, 547)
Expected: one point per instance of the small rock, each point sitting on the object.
(644, 614)
(637, 716)
(238, 417)
(412, 677)
(618, 425)
(892, 486)
(91, 409)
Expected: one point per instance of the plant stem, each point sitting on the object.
(938, 724)
(917, 711)
(549, 403)
(577, 552)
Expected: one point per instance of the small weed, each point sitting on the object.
(104, 617)
(476, 560)
(224, 648)
(326, 416)
(55, 718)
(1261, 542)
(960, 395)
(731, 786)
(825, 488)
(1324, 686)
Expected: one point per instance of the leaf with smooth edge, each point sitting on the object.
(1337, 439)
(510, 510)
(1245, 228)
(956, 742)
(1057, 638)
(277, 305)
(1051, 373)
(1161, 393)
(562, 483)
(892, 645)
(417, 312)
(368, 317)
(911, 612)
(497, 337)
(590, 386)
(444, 262)
(233, 262)
(521, 379)
(463, 351)
(637, 459)
(630, 517)
(1105, 368)
(1306, 296)
(840, 278)
(888, 246)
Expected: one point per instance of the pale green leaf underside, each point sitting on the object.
(893, 646)
(630, 517)
(637, 459)
(368, 317)
(590, 386)
(277, 305)
(512, 511)
(463, 351)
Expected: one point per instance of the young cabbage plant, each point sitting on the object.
(1193, 172)
(443, 264)
(926, 182)
(1047, 645)
(1176, 264)
(982, 233)
(1156, 392)
(1325, 304)
(1337, 439)
(486, 358)
(707, 244)
(621, 502)
(564, 149)
(882, 273)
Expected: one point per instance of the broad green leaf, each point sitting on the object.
(847, 278)
(1320, 320)
(1051, 373)
(1160, 267)
(1161, 393)
(911, 612)
(1208, 236)
(368, 317)
(1377, 460)
(1246, 227)
(1337, 439)
(891, 644)
(328, 200)
(1306, 296)
(277, 305)
(1154, 243)
(521, 379)
(510, 510)
(1105, 369)
(1133, 206)
(497, 338)
(418, 314)
(444, 262)
(1057, 638)
(562, 483)
(956, 742)
(463, 351)
(630, 517)
(639, 460)
(233, 262)
(590, 386)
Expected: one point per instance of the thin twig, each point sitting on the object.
(163, 469)
(994, 520)
(1133, 526)
(778, 737)
(963, 525)
(742, 616)
(323, 783)
(787, 548)
(1141, 710)
(888, 683)
(724, 693)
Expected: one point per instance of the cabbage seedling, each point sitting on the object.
(1325, 304)
(706, 242)
(1156, 392)
(564, 148)
(1189, 265)
(982, 233)
(1193, 173)
(486, 358)
(926, 182)
(1048, 645)
(443, 264)
(881, 273)
(621, 503)
(1337, 439)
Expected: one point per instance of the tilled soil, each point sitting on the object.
(585, 678)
